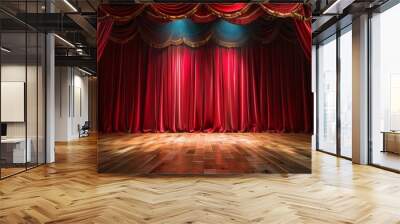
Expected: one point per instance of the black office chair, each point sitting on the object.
(84, 130)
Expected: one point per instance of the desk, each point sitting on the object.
(13, 150)
(391, 141)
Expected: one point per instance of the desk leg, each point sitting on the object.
(384, 142)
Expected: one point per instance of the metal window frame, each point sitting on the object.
(337, 34)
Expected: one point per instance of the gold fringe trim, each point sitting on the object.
(229, 15)
(199, 43)
(251, 14)
(183, 16)
(124, 18)
(295, 13)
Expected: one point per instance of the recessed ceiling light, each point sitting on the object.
(337, 7)
(84, 71)
(64, 40)
(5, 50)
(70, 5)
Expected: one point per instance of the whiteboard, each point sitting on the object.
(12, 101)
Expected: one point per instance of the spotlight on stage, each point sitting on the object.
(230, 32)
(180, 27)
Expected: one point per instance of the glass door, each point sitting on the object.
(346, 72)
(326, 136)
(385, 89)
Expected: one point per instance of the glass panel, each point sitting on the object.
(41, 98)
(346, 94)
(23, 90)
(385, 84)
(31, 97)
(327, 96)
(14, 153)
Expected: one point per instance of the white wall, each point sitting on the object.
(16, 72)
(62, 82)
(33, 127)
(71, 102)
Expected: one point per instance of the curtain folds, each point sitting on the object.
(157, 24)
(165, 12)
(209, 89)
(204, 67)
(186, 32)
(104, 28)
(304, 36)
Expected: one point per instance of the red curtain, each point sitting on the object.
(304, 36)
(262, 85)
(104, 28)
(164, 12)
(210, 88)
(239, 13)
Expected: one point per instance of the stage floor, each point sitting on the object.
(204, 153)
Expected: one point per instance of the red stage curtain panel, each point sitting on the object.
(263, 84)
(304, 36)
(210, 88)
(104, 28)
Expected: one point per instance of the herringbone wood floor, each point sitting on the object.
(71, 191)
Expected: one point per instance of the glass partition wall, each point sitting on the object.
(22, 77)
(327, 95)
(345, 92)
(385, 89)
(334, 93)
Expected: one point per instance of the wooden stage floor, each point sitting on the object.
(204, 153)
(71, 191)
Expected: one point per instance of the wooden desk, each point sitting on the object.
(391, 141)
(13, 150)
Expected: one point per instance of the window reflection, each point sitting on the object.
(385, 89)
(327, 96)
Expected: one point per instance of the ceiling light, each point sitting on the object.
(64, 40)
(337, 7)
(328, 10)
(5, 50)
(84, 71)
(70, 5)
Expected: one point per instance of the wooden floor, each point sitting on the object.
(71, 191)
(204, 153)
(10, 171)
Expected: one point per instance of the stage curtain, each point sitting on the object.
(120, 12)
(174, 11)
(147, 20)
(165, 12)
(304, 36)
(221, 32)
(185, 31)
(104, 28)
(209, 88)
